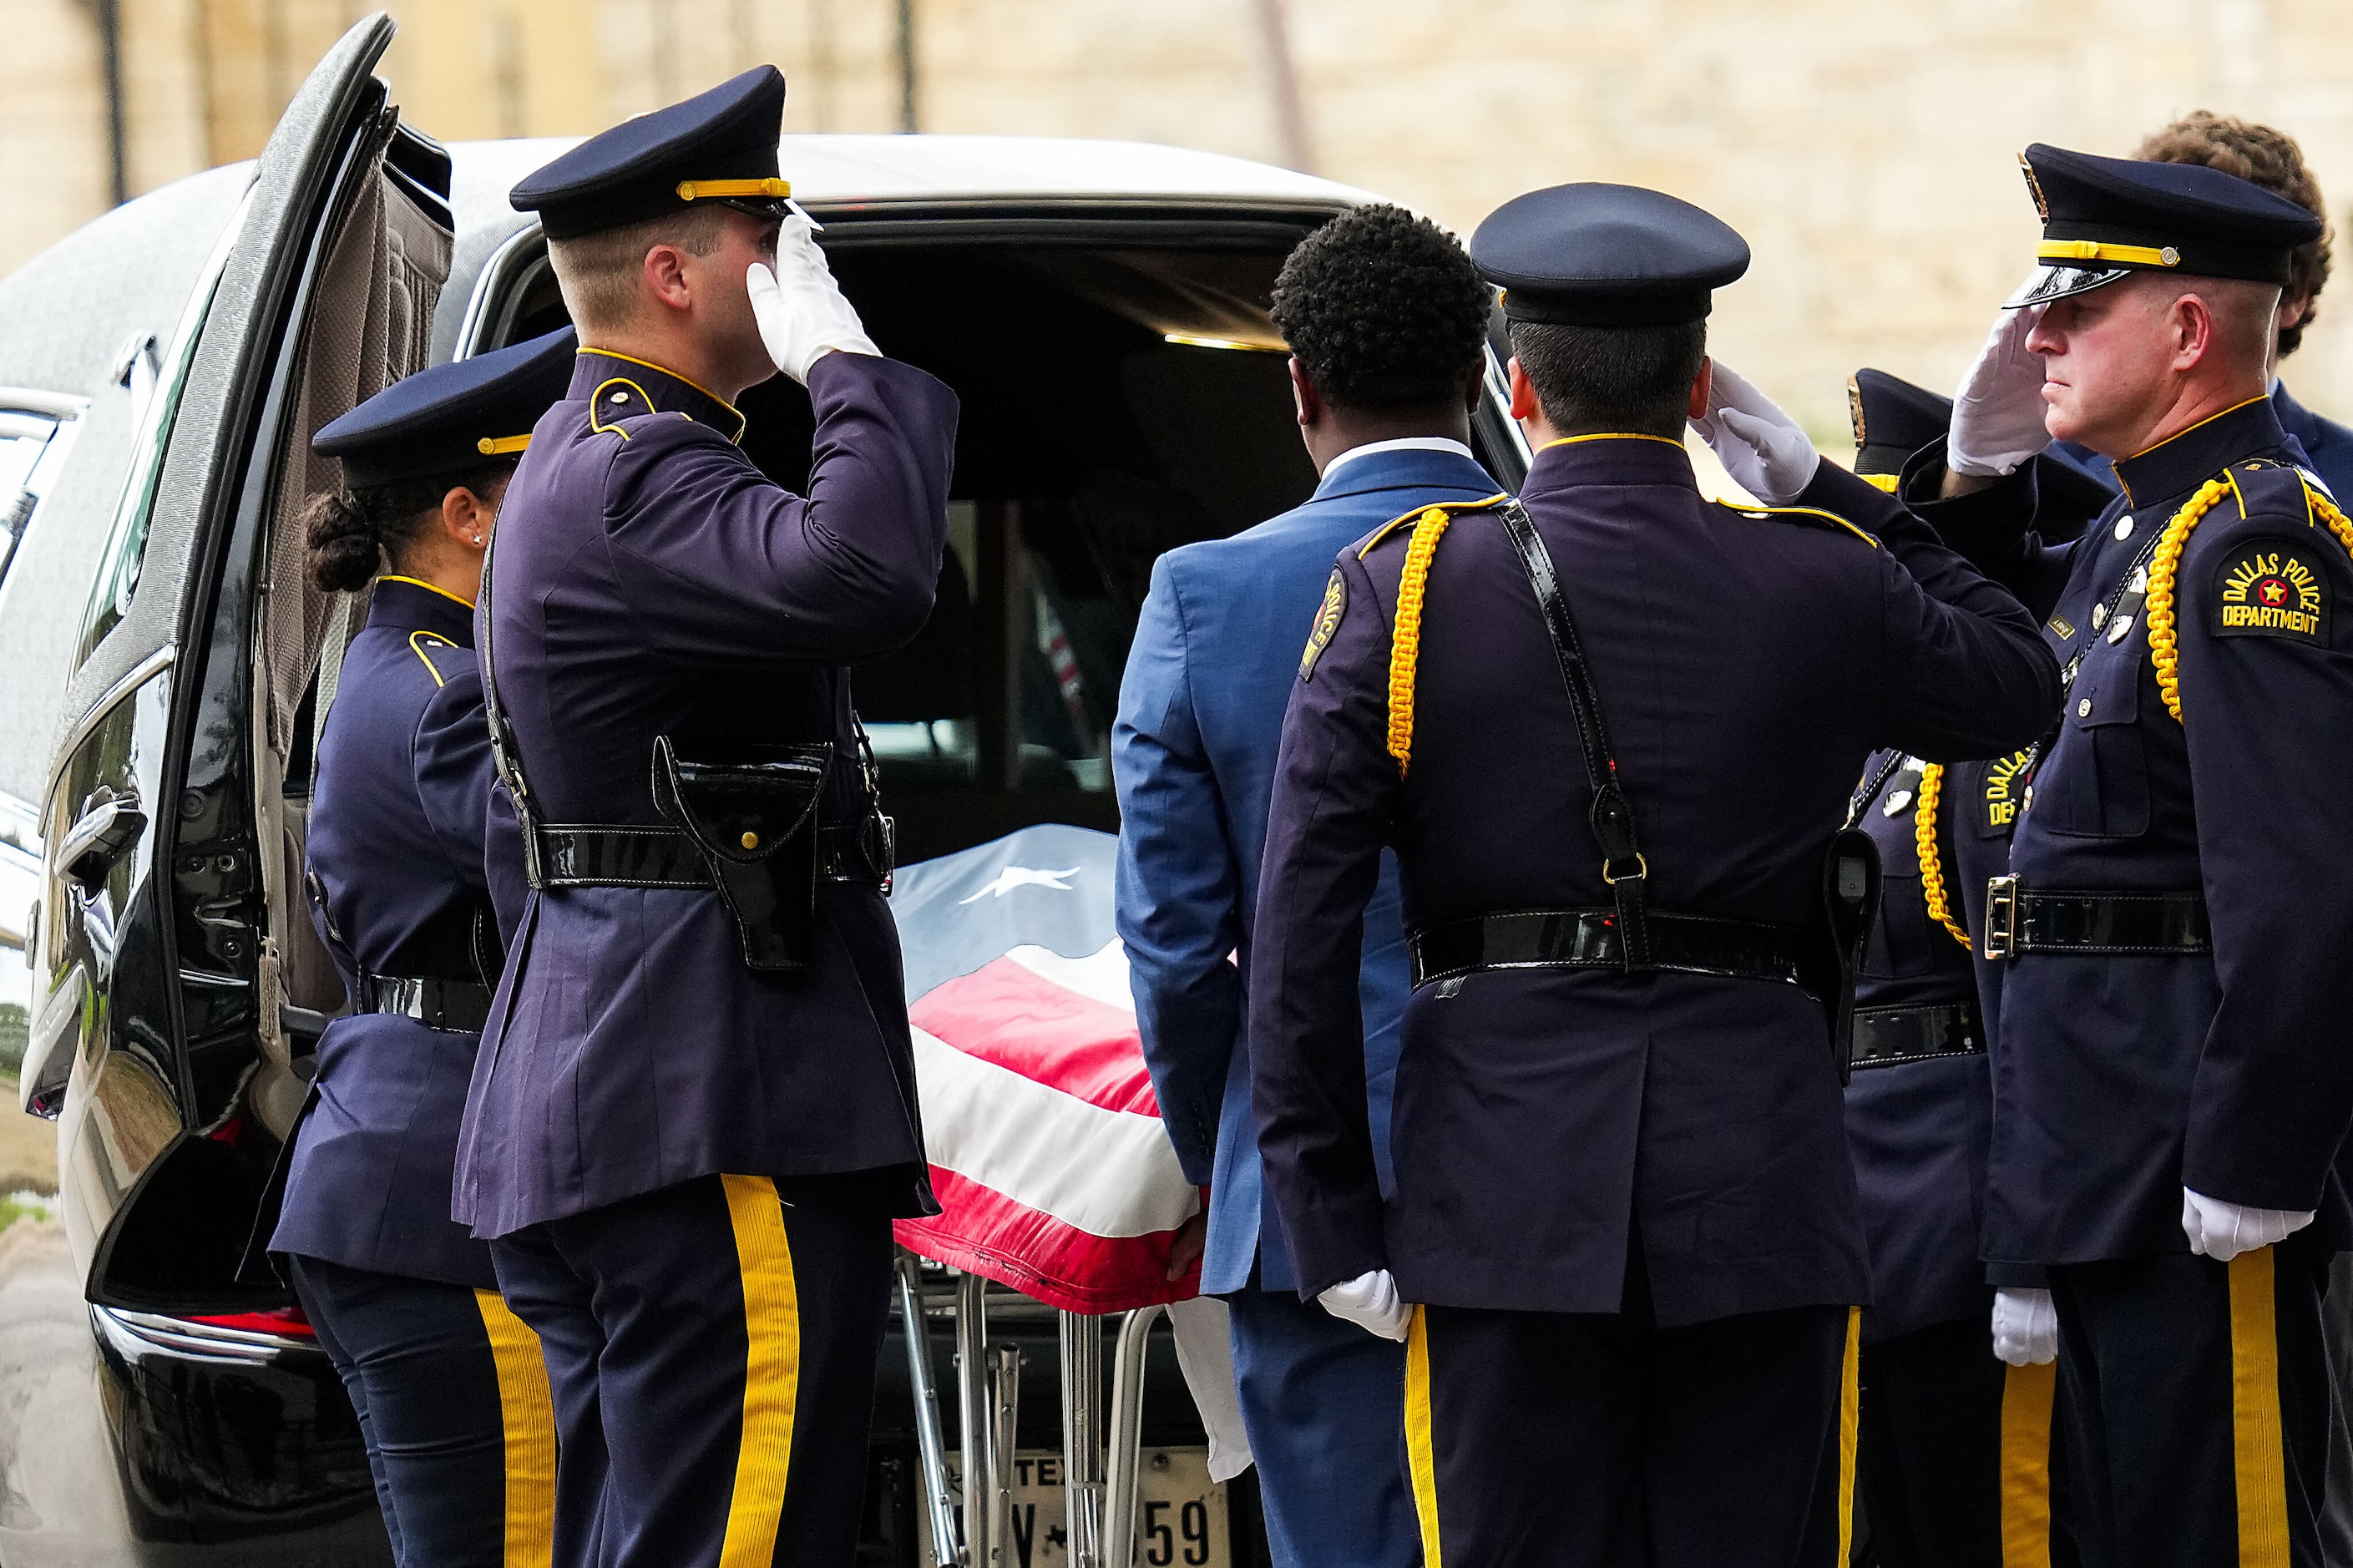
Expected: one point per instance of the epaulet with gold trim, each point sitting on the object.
(1447, 509)
(615, 400)
(1807, 515)
(1429, 525)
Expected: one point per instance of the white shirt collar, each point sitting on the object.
(1402, 443)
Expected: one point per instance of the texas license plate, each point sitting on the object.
(1180, 1515)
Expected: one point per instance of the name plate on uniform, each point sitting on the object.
(1180, 1512)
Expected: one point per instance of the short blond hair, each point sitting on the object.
(598, 272)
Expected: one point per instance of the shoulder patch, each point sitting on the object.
(1810, 516)
(2272, 588)
(421, 644)
(1327, 621)
(614, 401)
(2003, 786)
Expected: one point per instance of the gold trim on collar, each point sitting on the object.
(2178, 435)
(2101, 250)
(684, 381)
(500, 446)
(428, 588)
(1613, 436)
(705, 190)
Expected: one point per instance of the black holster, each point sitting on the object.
(1850, 905)
(754, 820)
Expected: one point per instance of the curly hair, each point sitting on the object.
(1383, 310)
(350, 536)
(2264, 157)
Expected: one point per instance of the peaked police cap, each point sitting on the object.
(1606, 256)
(719, 145)
(451, 417)
(2104, 218)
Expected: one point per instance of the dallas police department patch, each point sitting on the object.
(1327, 621)
(2272, 588)
(2003, 786)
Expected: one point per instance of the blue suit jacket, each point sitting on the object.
(2328, 444)
(1216, 654)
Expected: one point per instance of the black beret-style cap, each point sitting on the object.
(1606, 256)
(451, 417)
(719, 145)
(2105, 218)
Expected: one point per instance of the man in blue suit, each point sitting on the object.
(1386, 320)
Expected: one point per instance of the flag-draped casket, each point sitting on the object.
(1047, 1151)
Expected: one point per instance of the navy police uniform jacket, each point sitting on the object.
(1547, 1120)
(649, 580)
(1208, 675)
(1918, 1127)
(396, 850)
(2124, 1077)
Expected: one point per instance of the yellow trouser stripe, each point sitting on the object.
(1416, 1438)
(2027, 1394)
(2257, 1440)
(1850, 1429)
(772, 1371)
(528, 1415)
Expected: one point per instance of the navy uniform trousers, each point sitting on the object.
(709, 1344)
(1601, 1440)
(2192, 1369)
(1955, 1464)
(453, 1405)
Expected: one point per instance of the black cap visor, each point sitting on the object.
(2050, 283)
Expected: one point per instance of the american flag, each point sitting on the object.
(1044, 1136)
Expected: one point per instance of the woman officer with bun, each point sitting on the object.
(450, 1391)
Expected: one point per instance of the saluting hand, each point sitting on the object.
(1998, 411)
(1761, 448)
(800, 309)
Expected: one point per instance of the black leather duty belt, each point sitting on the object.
(578, 856)
(1885, 1036)
(2019, 921)
(461, 1005)
(1590, 939)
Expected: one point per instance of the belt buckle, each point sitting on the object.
(2002, 916)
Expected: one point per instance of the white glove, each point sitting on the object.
(1369, 1301)
(1761, 446)
(799, 307)
(2025, 1327)
(2222, 1231)
(1997, 412)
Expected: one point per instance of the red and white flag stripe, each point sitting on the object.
(1046, 1150)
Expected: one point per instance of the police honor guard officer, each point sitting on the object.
(1953, 1461)
(1610, 736)
(694, 1114)
(2175, 1080)
(452, 1395)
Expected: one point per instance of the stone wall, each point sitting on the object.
(1866, 149)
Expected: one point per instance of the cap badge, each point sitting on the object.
(2035, 188)
(1854, 408)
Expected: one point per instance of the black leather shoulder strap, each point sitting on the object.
(504, 754)
(1622, 865)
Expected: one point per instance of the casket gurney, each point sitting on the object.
(1055, 1179)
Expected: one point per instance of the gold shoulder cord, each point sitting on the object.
(1405, 637)
(2164, 650)
(1923, 839)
